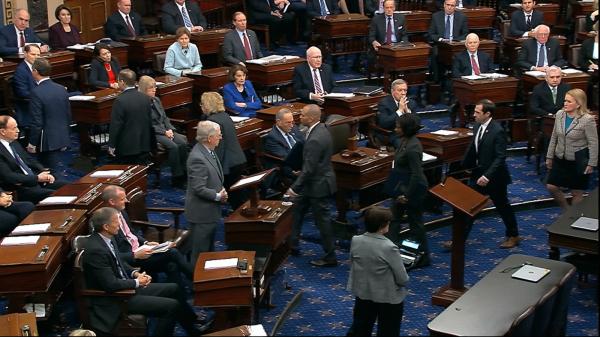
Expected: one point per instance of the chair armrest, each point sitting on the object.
(157, 226)
(177, 121)
(101, 293)
(174, 210)
(270, 156)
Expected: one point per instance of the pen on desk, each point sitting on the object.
(66, 222)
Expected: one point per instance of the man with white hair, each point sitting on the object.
(313, 79)
(471, 61)
(540, 52)
(548, 97)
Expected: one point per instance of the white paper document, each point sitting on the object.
(20, 240)
(586, 223)
(39, 308)
(248, 180)
(339, 95)
(445, 132)
(221, 263)
(58, 200)
(571, 71)
(81, 98)
(272, 58)
(493, 75)
(257, 330)
(535, 73)
(159, 83)
(107, 174)
(427, 157)
(472, 77)
(31, 229)
(159, 248)
(236, 119)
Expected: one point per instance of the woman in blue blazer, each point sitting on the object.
(239, 95)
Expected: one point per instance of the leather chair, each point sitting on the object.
(128, 325)
(573, 55)
(523, 324)
(339, 133)
(84, 78)
(158, 62)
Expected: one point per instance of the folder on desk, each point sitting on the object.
(530, 273)
(589, 224)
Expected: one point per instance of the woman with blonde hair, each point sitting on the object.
(573, 149)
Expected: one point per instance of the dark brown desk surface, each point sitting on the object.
(491, 306)
(57, 217)
(132, 176)
(87, 196)
(268, 114)
(12, 324)
(62, 62)
(561, 234)
(479, 17)
(276, 73)
(447, 148)
(357, 105)
(417, 21)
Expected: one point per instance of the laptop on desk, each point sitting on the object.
(588, 224)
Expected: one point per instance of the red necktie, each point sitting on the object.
(130, 26)
(22, 39)
(247, 47)
(474, 65)
(388, 31)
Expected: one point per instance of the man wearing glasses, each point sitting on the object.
(540, 52)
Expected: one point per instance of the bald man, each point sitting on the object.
(313, 79)
(471, 61)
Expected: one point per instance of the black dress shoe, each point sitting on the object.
(323, 263)
(201, 328)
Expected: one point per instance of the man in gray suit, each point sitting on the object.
(315, 185)
(240, 44)
(205, 191)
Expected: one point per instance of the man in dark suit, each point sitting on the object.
(387, 28)
(240, 44)
(266, 12)
(549, 97)
(15, 36)
(522, 22)
(373, 7)
(393, 106)
(124, 22)
(315, 185)
(205, 192)
(313, 79)
(471, 61)
(131, 136)
(18, 170)
(50, 116)
(541, 52)
(172, 16)
(12, 212)
(490, 176)
(23, 84)
(103, 269)
(315, 8)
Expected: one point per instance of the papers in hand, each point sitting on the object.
(30, 229)
(58, 200)
(159, 248)
(221, 263)
(445, 133)
(339, 95)
(535, 73)
(272, 58)
(107, 174)
(81, 98)
(20, 240)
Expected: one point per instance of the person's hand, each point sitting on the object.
(151, 243)
(142, 254)
(44, 48)
(296, 173)
(291, 192)
(320, 98)
(223, 195)
(548, 164)
(403, 104)
(143, 279)
(5, 200)
(588, 169)
(241, 104)
(114, 85)
(276, 14)
(593, 66)
(170, 134)
(402, 199)
(30, 148)
(111, 151)
(376, 45)
(483, 181)
(197, 29)
(45, 177)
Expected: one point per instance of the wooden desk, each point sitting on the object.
(60, 225)
(479, 17)
(448, 50)
(7, 69)
(209, 80)
(513, 44)
(493, 304)
(358, 105)
(277, 73)
(407, 62)
(357, 174)
(88, 197)
(84, 56)
(142, 48)
(581, 8)
(175, 92)
(562, 235)
(469, 92)
(448, 149)
(578, 80)
(62, 62)
(247, 132)
(417, 21)
(342, 34)
(550, 11)
(133, 176)
(268, 114)
(16, 324)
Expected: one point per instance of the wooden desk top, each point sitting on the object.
(130, 178)
(7, 67)
(447, 148)
(66, 223)
(486, 310)
(212, 79)
(341, 25)
(88, 196)
(356, 173)
(141, 48)
(417, 21)
(357, 105)
(268, 114)
(12, 324)
(209, 41)
(479, 17)
(207, 275)
(273, 73)
(561, 234)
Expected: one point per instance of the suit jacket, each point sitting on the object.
(377, 272)
(518, 22)
(59, 39)
(317, 179)
(205, 180)
(378, 28)
(408, 163)
(98, 76)
(229, 151)
(122, 244)
(586, 54)
(313, 7)
(171, 17)
(23, 83)
(276, 145)
(233, 49)
(528, 54)
(8, 39)
(50, 116)
(581, 133)
(386, 112)
(102, 273)
(438, 24)
(116, 27)
(160, 121)
(490, 161)
(461, 64)
(10, 171)
(130, 131)
(303, 81)
(540, 101)
(231, 95)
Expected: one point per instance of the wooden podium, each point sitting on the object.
(342, 34)
(469, 92)
(142, 48)
(465, 202)
(406, 61)
(23, 324)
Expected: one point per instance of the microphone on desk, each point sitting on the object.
(42, 253)
(66, 222)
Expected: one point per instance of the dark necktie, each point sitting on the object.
(122, 272)
(541, 55)
(447, 28)
(528, 21)
(130, 26)
(474, 65)
(318, 89)
(186, 18)
(388, 31)
(20, 161)
(247, 50)
(480, 132)
(22, 39)
(323, 7)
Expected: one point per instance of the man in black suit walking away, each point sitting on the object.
(124, 22)
(315, 185)
(490, 176)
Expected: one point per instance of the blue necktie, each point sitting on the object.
(447, 28)
(541, 55)
(290, 140)
(323, 7)
(186, 19)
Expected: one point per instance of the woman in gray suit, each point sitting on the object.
(377, 278)
(573, 149)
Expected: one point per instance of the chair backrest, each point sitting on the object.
(523, 325)
(136, 207)
(79, 242)
(573, 55)
(158, 62)
(505, 27)
(543, 311)
(580, 23)
(286, 313)
(339, 133)
(84, 77)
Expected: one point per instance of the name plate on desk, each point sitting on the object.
(128, 177)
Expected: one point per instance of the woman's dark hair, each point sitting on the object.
(409, 123)
(98, 47)
(377, 217)
(60, 8)
(234, 69)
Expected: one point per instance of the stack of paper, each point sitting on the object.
(236, 119)
(494, 75)
(221, 263)
(81, 98)
(107, 174)
(427, 157)
(30, 229)
(20, 240)
(445, 133)
(339, 95)
(535, 73)
(472, 77)
(570, 71)
(58, 200)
